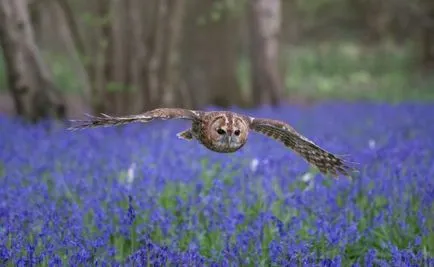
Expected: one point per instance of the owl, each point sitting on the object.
(227, 132)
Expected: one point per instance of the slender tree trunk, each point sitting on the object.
(101, 66)
(72, 42)
(118, 57)
(428, 38)
(211, 55)
(157, 53)
(135, 98)
(29, 78)
(172, 90)
(222, 62)
(291, 22)
(375, 17)
(73, 27)
(164, 79)
(267, 84)
(135, 59)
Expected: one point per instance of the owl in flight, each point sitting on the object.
(227, 132)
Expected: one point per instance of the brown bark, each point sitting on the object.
(96, 50)
(375, 18)
(73, 27)
(73, 42)
(108, 63)
(137, 97)
(265, 18)
(29, 79)
(211, 55)
(291, 22)
(428, 38)
(118, 58)
(164, 79)
(157, 54)
(134, 52)
(172, 90)
(101, 70)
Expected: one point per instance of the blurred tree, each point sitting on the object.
(131, 55)
(375, 18)
(90, 43)
(133, 60)
(210, 53)
(265, 25)
(164, 64)
(291, 22)
(29, 79)
(428, 35)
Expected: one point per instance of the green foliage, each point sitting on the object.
(351, 71)
(212, 240)
(63, 72)
(221, 8)
(62, 69)
(183, 202)
(339, 70)
(95, 20)
(118, 87)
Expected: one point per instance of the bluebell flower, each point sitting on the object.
(131, 211)
(4, 254)
(74, 200)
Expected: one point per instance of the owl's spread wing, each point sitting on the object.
(160, 113)
(325, 161)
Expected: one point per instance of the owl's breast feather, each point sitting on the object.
(222, 147)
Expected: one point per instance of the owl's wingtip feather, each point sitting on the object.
(346, 168)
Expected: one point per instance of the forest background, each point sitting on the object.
(66, 57)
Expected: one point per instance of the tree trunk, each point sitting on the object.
(134, 52)
(291, 22)
(100, 66)
(164, 79)
(118, 57)
(29, 79)
(157, 53)
(428, 38)
(267, 84)
(173, 92)
(68, 35)
(135, 97)
(211, 55)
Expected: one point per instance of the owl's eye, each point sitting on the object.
(221, 131)
(237, 132)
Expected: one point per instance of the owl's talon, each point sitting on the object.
(185, 135)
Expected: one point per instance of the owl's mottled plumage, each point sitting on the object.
(227, 132)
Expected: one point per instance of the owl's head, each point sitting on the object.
(227, 132)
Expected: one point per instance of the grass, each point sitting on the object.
(212, 241)
(349, 71)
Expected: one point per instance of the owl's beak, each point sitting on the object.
(229, 138)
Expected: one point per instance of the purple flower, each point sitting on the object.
(131, 211)
(125, 196)
(4, 254)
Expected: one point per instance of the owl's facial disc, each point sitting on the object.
(229, 132)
